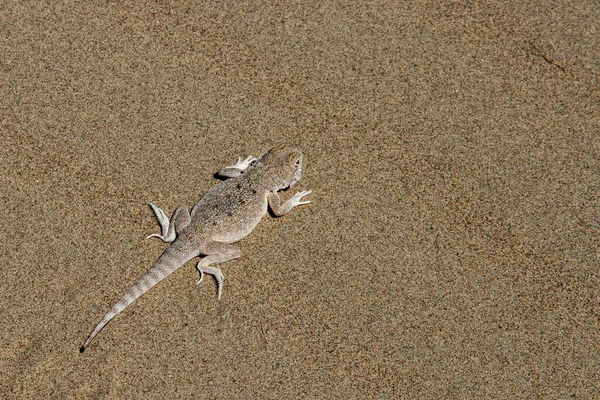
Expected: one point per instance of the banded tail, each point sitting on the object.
(170, 261)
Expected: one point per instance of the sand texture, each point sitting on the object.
(452, 247)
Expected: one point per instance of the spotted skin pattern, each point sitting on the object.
(227, 213)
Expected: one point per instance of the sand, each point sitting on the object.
(452, 246)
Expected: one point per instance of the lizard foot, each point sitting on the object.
(164, 222)
(242, 165)
(282, 209)
(296, 200)
(216, 272)
(169, 229)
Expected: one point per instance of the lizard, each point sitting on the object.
(228, 212)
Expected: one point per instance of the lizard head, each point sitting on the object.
(284, 165)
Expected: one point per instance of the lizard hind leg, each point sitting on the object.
(218, 253)
(170, 228)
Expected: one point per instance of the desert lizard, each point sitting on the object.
(227, 213)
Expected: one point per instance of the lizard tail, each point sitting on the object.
(170, 261)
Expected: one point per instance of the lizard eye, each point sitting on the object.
(294, 159)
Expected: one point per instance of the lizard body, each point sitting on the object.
(228, 212)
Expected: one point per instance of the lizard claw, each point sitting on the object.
(297, 198)
(242, 165)
(216, 272)
(219, 278)
(164, 222)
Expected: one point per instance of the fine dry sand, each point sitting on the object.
(452, 247)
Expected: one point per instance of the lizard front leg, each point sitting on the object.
(231, 171)
(282, 209)
(217, 252)
(170, 229)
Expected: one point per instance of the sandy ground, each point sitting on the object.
(452, 246)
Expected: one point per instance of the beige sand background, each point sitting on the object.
(451, 249)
